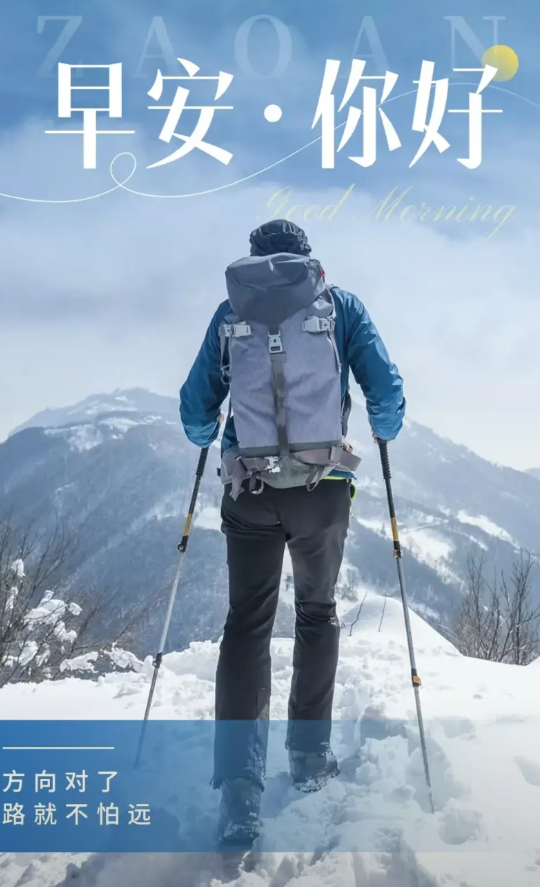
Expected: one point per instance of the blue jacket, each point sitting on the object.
(361, 351)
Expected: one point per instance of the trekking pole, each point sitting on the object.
(181, 547)
(416, 682)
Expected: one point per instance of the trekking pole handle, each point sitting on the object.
(202, 462)
(385, 461)
(198, 477)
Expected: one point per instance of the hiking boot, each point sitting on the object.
(239, 822)
(310, 771)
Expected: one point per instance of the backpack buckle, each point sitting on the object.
(236, 329)
(318, 324)
(241, 329)
(275, 345)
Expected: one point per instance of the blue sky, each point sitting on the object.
(91, 286)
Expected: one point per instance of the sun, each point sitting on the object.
(504, 58)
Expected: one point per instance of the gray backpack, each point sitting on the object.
(281, 362)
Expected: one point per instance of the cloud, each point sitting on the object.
(119, 291)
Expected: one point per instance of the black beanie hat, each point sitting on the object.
(279, 236)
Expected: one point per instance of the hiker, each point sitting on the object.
(283, 345)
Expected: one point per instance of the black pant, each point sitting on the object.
(257, 527)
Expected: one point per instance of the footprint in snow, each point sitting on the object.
(456, 728)
(459, 826)
(530, 770)
(445, 783)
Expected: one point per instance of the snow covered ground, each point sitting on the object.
(483, 728)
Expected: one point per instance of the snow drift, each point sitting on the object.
(483, 729)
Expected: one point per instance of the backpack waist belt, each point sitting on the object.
(236, 468)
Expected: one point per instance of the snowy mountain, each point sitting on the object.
(118, 471)
(134, 401)
(534, 472)
(372, 823)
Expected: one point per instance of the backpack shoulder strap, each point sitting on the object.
(331, 333)
(231, 326)
(347, 401)
(224, 358)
